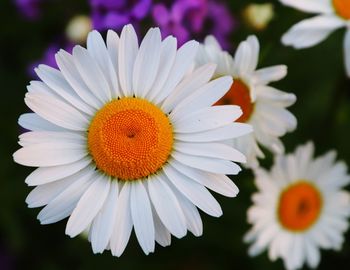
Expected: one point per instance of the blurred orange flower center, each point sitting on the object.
(130, 138)
(342, 7)
(299, 206)
(239, 94)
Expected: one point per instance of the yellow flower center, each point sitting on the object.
(130, 138)
(299, 206)
(342, 7)
(239, 94)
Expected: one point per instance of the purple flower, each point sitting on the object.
(188, 19)
(114, 14)
(49, 57)
(29, 8)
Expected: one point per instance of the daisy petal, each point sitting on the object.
(55, 80)
(128, 47)
(162, 235)
(318, 6)
(49, 154)
(92, 74)
(233, 130)
(65, 62)
(270, 74)
(56, 111)
(112, 47)
(147, 63)
(123, 222)
(141, 214)
(44, 175)
(183, 61)
(167, 206)
(310, 32)
(88, 206)
(167, 58)
(214, 150)
(203, 97)
(207, 118)
(35, 137)
(207, 164)
(216, 182)
(65, 202)
(194, 192)
(34, 122)
(103, 224)
(189, 84)
(98, 50)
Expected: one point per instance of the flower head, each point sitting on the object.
(263, 106)
(125, 136)
(300, 207)
(332, 14)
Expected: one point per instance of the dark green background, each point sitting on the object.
(315, 75)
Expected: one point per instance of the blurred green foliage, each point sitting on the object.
(315, 75)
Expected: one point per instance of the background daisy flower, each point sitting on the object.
(125, 137)
(299, 208)
(263, 106)
(333, 14)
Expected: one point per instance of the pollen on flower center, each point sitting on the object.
(342, 7)
(299, 206)
(130, 138)
(239, 94)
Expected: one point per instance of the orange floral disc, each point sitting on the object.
(130, 138)
(239, 94)
(299, 206)
(342, 7)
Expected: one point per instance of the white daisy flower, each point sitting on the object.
(125, 137)
(263, 106)
(332, 15)
(300, 207)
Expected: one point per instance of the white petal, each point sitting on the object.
(167, 206)
(104, 223)
(270, 74)
(242, 59)
(113, 46)
(123, 222)
(98, 50)
(216, 182)
(162, 235)
(88, 206)
(147, 63)
(312, 255)
(254, 48)
(203, 97)
(193, 219)
(49, 154)
(184, 59)
(207, 118)
(34, 122)
(229, 131)
(193, 191)
(35, 137)
(313, 6)
(214, 150)
(141, 214)
(43, 194)
(128, 47)
(188, 85)
(269, 94)
(65, 202)
(167, 58)
(65, 62)
(55, 80)
(347, 52)
(56, 111)
(310, 32)
(92, 74)
(44, 175)
(213, 165)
